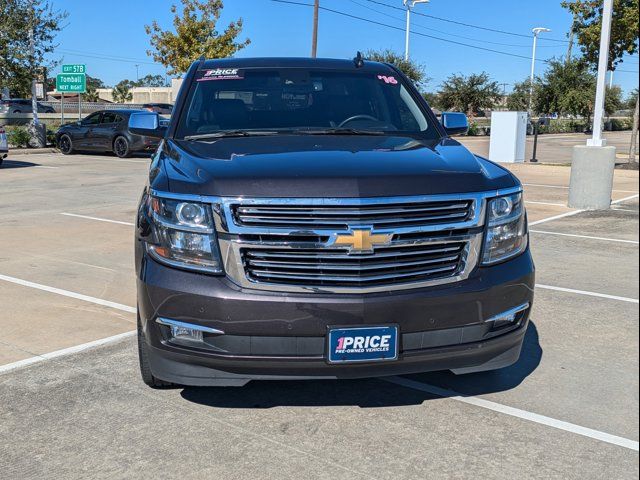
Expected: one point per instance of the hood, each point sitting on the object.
(325, 166)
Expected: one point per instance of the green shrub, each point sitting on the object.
(617, 124)
(565, 126)
(18, 137)
(51, 136)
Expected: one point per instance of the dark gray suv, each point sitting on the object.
(308, 218)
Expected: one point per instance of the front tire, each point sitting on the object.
(121, 147)
(65, 144)
(145, 367)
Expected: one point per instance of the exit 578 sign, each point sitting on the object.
(73, 79)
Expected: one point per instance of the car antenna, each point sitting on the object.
(358, 60)
(201, 61)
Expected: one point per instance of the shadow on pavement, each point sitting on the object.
(16, 164)
(368, 393)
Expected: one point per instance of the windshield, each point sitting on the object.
(300, 101)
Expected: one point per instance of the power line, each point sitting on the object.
(452, 34)
(337, 12)
(101, 56)
(470, 25)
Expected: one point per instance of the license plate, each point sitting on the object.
(362, 344)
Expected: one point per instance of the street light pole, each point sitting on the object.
(598, 112)
(409, 4)
(314, 38)
(536, 31)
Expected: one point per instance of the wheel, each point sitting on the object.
(16, 111)
(121, 147)
(145, 368)
(65, 144)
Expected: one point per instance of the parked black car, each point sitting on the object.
(308, 218)
(21, 105)
(106, 131)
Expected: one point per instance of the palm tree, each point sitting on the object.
(121, 93)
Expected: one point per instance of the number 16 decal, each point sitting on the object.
(389, 80)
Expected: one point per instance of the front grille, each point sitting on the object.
(334, 267)
(342, 217)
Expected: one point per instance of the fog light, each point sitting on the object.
(507, 318)
(186, 331)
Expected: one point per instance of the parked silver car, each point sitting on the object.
(21, 105)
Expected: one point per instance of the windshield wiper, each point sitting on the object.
(231, 133)
(341, 131)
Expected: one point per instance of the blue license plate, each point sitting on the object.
(362, 344)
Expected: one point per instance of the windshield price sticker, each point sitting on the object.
(390, 80)
(221, 74)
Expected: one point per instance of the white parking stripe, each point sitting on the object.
(555, 217)
(562, 187)
(546, 203)
(97, 219)
(516, 412)
(67, 293)
(65, 351)
(584, 236)
(590, 294)
(625, 199)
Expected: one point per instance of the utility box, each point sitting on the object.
(508, 137)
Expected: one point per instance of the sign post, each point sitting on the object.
(73, 79)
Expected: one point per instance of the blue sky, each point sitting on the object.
(111, 39)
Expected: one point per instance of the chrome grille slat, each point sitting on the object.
(345, 211)
(349, 266)
(328, 216)
(329, 255)
(254, 219)
(356, 278)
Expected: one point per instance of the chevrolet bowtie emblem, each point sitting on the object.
(362, 241)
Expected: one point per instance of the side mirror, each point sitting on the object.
(147, 124)
(455, 123)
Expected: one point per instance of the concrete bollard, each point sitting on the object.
(592, 177)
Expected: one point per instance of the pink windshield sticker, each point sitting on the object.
(388, 79)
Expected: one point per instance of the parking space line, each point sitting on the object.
(545, 232)
(625, 199)
(86, 217)
(546, 203)
(515, 412)
(67, 293)
(567, 188)
(65, 351)
(556, 217)
(590, 294)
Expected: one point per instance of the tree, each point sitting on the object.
(518, 99)
(567, 88)
(470, 94)
(122, 91)
(93, 84)
(613, 100)
(195, 35)
(151, 81)
(432, 99)
(413, 70)
(18, 63)
(588, 24)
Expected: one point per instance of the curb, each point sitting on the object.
(30, 151)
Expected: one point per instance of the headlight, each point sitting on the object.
(506, 234)
(183, 235)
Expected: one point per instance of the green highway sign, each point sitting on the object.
(71, 83)
(74, 68)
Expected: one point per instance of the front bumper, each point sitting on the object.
(272, 335)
